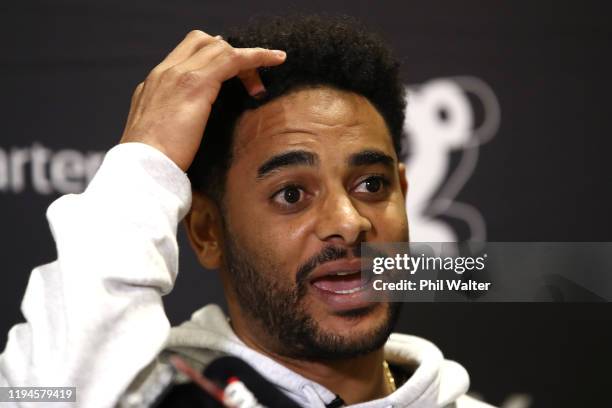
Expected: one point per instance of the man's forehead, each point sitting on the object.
(321, 115)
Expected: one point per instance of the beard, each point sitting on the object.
(282, 313)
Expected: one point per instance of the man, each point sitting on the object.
(299, 165)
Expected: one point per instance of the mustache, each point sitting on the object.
(327, 254)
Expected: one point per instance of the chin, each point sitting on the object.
(356, 322)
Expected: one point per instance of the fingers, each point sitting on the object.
(251, 58)
(204, 55)
(246, 61)
(243, 62)
(237, 59)
(170, 109)
(252, 83)
(200, 63)
(220, 61)
(250, 77)
(230, 62)
(193, 41)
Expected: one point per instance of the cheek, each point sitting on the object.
(286, 241)
(391, 223)
(276, 244)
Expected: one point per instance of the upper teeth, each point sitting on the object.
(344, 273)
(348, 291)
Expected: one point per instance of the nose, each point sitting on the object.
(339, 220)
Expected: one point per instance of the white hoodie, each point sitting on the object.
(95, 318)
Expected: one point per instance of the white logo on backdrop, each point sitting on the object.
(440, 120)
(46, 171)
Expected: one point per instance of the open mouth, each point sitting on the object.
(340, 283)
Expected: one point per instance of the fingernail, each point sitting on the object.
(258, 92)
(279, 53)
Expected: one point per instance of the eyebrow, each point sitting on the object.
(292, 158)
(370, 157)
(306, 158)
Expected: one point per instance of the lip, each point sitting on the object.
(352, 265)
(339, 302)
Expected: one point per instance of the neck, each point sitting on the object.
(355, 380)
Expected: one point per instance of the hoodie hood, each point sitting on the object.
(435, 382)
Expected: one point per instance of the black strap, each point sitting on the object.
(336, 403)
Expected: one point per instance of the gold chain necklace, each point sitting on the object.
(389, 375)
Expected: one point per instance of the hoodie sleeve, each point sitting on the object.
(95, 317)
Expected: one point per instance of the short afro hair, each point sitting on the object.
(321, 51)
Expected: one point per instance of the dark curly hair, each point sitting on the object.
(321, 51)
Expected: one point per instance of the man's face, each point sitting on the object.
(314, 174)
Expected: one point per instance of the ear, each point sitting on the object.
(401, 172)
(203, 224)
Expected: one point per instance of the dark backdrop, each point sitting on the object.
(68, 69)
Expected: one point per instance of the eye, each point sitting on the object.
(292, 195)
(288, 196)
(372, 185)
